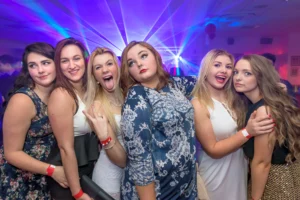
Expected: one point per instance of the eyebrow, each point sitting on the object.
(142, 52)
(71, 56)
(32, 62)
(110, 60)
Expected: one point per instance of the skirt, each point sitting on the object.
(283, 183)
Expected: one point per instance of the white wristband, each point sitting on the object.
(246, 134)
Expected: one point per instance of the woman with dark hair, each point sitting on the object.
(28, 135)
(158, 126)
(274, 158)
(78, 147)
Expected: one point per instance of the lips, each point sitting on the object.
(143, 71)
(237, 84)
(43, 77)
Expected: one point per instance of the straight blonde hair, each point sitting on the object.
(96, 93)
(201, 90)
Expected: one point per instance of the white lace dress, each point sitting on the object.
(106, 174)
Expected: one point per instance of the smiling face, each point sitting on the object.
(219, 72)
(142, 66)
(243, 78)
(72, 63)
(105, 71)
(41, 69)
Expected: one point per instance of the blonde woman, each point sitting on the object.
(275, 167)
(104, 100)
(223, 166)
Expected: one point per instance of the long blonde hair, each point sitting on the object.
(96, 92)
(283, 110)
(201, 90)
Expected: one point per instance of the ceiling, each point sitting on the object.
(167, 24)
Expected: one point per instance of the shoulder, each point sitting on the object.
(60, 96)
(21, 103)
(136, 90)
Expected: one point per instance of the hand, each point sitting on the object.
(59, 176)
(259, 125)
(85, 196)
(99, 122)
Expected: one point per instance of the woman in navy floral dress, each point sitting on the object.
(26, 130)
(158, 127)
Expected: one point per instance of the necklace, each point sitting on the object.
(115, 104)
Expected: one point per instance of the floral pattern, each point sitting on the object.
(159, 137)
(16, 183)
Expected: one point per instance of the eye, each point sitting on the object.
(77, 58)
(64, 61)
(97, 67)
(130, 63)
(248, 73)
(46, 63)
(32, 65)
(228, 66)
(110, 64)
(143, 56)
(217, 65)
(235, 72)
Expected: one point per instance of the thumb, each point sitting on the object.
(253, 115)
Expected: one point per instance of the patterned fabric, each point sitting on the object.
(159, 138)
(19, 184)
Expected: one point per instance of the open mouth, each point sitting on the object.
(109, 82)
(220, 79)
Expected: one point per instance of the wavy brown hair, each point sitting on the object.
(96, 92)
(280, 104)
(128, 81)
(61, 80)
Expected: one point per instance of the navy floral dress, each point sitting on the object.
(159, 139)
(19, 184)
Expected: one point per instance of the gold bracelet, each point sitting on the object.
(111, 145)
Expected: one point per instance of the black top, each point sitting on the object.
(279, 153)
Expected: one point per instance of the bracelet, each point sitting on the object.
(114, 142)
(246, 134)
(79, 194)
(50, 170)
(106, 141)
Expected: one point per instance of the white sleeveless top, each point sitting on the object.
(80, 123)
(224, 178)
(106, 174)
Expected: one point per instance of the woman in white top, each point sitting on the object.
(78, 147)
(104, 100)
(223, 166)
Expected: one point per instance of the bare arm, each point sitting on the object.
(146, 192)
(205, 134)
(19, 113)
(61, 108)
(261, 163)
(103, 130)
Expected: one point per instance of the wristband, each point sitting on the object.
(246, 134)
(106, 141)
(50, 170)
(79, 194)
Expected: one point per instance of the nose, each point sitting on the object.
(139, 64)
(40, 69)
(105, 68)
(72, 64)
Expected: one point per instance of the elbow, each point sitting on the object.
(214, 155)
(261, 164)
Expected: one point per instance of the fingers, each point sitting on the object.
(262, 118)
(266, 122)
(64, 185)
(268, 128)
(87, 115)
